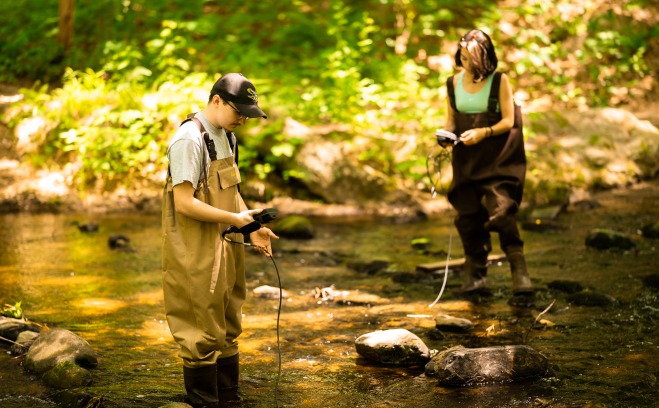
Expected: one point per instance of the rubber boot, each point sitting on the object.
(474, 273)
(228, 373)
(521, 280)
(201, 386)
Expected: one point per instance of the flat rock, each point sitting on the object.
(459, 366)
(395, 346)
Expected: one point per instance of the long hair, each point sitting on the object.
(481, 50)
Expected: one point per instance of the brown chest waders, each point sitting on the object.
(487, 187)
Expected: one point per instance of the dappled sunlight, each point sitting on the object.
(151, 298)
(155, 331)
(98, 306)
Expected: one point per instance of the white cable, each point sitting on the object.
(448, 257)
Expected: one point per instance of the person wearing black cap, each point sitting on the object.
(203, 275)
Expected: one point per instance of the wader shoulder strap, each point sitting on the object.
(494, 113)
(210, 146)
(451, 92)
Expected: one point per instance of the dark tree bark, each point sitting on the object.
(66, 14)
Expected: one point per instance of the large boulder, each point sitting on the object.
(460, 366)
(395, 347)
(57, 346)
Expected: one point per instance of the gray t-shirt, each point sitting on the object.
(187, 146)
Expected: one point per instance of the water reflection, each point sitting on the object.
(70, 279)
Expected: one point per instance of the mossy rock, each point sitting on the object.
(67, 374)
(608, 239)
(295, 227)
(651, 230)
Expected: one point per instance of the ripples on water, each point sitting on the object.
(599, 357)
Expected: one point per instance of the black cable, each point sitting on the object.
(272, 258)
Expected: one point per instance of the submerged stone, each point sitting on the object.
(566, 286)
(395, 346)
(650, 230)
(600, 238)
(652, 281)
(588, 298)
(459, 366)
(453, 324)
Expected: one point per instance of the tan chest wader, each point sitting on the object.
(203, 275)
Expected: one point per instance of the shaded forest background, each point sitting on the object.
(100, 105)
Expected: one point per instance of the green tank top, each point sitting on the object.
(472, 103)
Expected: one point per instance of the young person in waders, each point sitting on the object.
(489, 165)
(203, 275)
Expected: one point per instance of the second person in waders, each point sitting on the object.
(489, 166)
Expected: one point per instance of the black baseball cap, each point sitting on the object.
(241, 92)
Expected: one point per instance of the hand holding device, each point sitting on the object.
(446, 138)
(264, 217)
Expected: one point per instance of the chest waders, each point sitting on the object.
(486, 191)
(204, 283)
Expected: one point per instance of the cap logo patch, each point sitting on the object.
(252, 94)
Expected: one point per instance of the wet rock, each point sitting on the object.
(350, 297)
(368, 267)
(548, 213)
(56, 346)
(566, 286)
(23, 402)
(420, 244)
(588, 298)
(269, 292)
(395, 346)
(652, 281)
(522, 300)
(10, 328)
(459, 366)
(23, 342)
(650, 230)
(453, 324)
(67, 374)
(586, 205)
(608, 239)
(77, 399)
(294, 227)
(176, 405)
(119, 241)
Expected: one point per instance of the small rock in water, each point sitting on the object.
(600, 238)
(453, 324)
(588, 298)
(395, 346)
(459, 366)
(652, 281)
(650, 230)
(565, 286)
(269, 292)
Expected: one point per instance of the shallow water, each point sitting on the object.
(600, 357)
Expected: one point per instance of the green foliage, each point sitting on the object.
(14, 311)
(137, 67)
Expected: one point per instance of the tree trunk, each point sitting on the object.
(66, 13)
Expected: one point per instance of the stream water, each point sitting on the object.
(599, 356)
